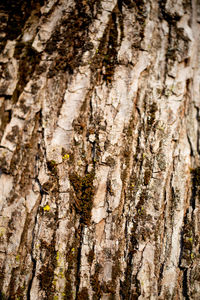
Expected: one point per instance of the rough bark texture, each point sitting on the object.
(100, 170)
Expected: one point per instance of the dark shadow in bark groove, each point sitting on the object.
(170, 18)
(195, 186)
(70, 39)
(28, 60)
(84, 189)
(160, 278)
(46, 275)
(119, 3)
(125, 286)
(33, 262)
(185, 285)
(79, 262)
(2, 296)
(17, 14)
(186, 246)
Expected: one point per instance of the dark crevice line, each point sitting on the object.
(170, 22)
(125, 286)
(106, 56)
(198, 142)
(198, 132)
(170, 18)
(190, 143)
(185, 285)
(32, 255)
(79, 262)
(162, 265)
(180, 266)
(32, 277)
(194, 189)
(160, 278)
(181, 249)
(166, 60)
(119, 3)
(42, 193)
(120, 19)
(126, 231)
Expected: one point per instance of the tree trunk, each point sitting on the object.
(100, 170)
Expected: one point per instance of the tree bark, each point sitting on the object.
(100, 171)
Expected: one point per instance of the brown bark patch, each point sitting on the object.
(84, 189)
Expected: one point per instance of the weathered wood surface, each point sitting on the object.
(100, 172)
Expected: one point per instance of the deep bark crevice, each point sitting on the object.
(16, 15)
(34, 262)
(185, 285)
(78, 266)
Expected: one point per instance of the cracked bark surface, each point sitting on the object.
(100, 170)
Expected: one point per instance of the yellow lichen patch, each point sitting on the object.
(140, 210)
(58, 258)
(37, 246)
(54, 282)
(61, 273)
(46, 208)
(160, 128)
(2, 231)
(17, 257)
(192, 255)
(65, 157)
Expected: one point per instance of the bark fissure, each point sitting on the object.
(34, 262)
(79, 262)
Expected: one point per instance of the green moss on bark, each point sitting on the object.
(46, 275)
(84, 189)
